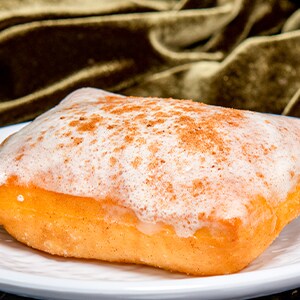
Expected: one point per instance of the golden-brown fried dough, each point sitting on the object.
(169, 183)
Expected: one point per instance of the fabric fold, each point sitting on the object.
(235, 53)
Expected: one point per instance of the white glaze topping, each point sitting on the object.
(171, 161)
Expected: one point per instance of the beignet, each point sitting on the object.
(169, 183)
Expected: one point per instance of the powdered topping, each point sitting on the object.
(172, 162)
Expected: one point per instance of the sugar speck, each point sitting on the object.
(20, 198)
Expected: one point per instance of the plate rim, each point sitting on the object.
(288, 277)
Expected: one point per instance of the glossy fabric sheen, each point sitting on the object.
(242, 53)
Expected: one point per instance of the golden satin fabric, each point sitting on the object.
(237, 53)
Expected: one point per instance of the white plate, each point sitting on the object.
(28, 272)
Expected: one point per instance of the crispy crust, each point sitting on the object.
(163, 182)
(85, 228)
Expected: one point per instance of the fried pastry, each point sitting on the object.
(174, 184)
